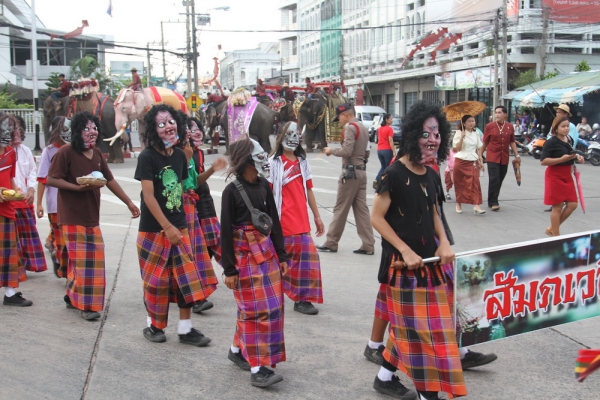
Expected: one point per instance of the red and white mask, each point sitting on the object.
(196, 135)
(89, 135)
(166, 127)
(430, 141)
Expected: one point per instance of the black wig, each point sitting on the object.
(412, 129)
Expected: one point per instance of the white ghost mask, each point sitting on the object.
(260, 158)
(291, 139)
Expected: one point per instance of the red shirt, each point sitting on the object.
(310, 88)
(294, 211)
(214, 98)
(498, 142)
(65, 87)
(8, 168)
(260, 90)
(383, 137)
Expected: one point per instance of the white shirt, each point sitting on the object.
(25, 176)
(471, 143)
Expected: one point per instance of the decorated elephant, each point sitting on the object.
(312, 115)
(213, 114)
(98, 104)
(261, 125)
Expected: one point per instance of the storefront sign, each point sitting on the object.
(446, 81)
(465, 79)
(521, 289)
(578, 11)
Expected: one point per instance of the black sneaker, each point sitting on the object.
(17, 300)
(68, 302)
(239, 360)
(305, 307)
(265, 378)
(375, 355)
(429, 395)
(325, 248)
(473, 359)
(203, 305)
(154, 334)
(361, 251)
(394, 388)
(195, 338)
(90, 315)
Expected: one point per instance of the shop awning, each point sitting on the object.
(566, 88)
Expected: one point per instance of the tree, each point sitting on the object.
(7, 100)
(89, 68)
(550, 74)
(53, 82)
(582, 66)
(525, 78)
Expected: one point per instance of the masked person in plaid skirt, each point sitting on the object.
(210, 229)
(60, 127)
(253, 264)
(30, 245)
(169, 270)
(422, 340)
(12, 270)
(79, 213)
(291, 181)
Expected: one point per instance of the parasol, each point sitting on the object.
(517, 167)
(455, 112)
(579, 188)
(588, 361)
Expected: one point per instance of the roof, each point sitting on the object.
(564, 88)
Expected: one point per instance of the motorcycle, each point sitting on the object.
(536, 146)
(522, 141)
(593, 154)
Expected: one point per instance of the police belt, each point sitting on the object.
(357, 167)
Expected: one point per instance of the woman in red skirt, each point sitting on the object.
(559, 190)
(467, 163)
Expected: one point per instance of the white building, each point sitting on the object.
(288, 42)
(244, 67)
(309, 12)
(15, 47)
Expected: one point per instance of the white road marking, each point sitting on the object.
(105, 223)
(125, 179)
(115, 200)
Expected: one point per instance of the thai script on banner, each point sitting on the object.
(446, 81)
(518, 289)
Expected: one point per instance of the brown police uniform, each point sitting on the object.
(352, 192)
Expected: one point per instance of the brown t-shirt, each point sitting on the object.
(78, 208)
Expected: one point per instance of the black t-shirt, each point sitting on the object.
(235, 212)
(410, 213)
(556, 148)
(205, 207)
(166, 173)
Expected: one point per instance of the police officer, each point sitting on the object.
(352, 186)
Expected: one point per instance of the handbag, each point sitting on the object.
(261, 220)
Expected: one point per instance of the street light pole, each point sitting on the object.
(194, 47)
(36, 100)
(188, 62)
(162, 44)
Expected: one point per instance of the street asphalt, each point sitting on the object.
(50, 352)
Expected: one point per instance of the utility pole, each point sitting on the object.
(504, 51)
(162, 45)
(544, 40)
(34, 68)
(342, 59)
(496, 42)
(194, 46)
(188, 61)
(148, 73)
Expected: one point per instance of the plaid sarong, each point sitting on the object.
(165, 270)
(381, 310)
(30, 245)
(85, 270)
(199, 250)
(211, 228)
(259, 297)
(60, 250)
(12, 270)
(303, 280)
(422, 337)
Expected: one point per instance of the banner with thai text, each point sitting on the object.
(484, 77)
(446, 81)
(506, 292)
(578, 11)
(465, 79)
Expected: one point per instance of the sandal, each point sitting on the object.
(495, 208)
(549, 232)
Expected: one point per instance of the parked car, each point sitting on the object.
(366, 114)
(373, 129)
(397, 127)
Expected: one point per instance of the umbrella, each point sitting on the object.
(517, 167)
(588, 360)
(455, 112)
(579, 188)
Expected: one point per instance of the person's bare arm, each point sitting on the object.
(171, 231)
(444, 251)
(114, 187)
(312, 202)
(218, 165)
(40, 197)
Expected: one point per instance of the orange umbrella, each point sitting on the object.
(455, 112)
(517, 167)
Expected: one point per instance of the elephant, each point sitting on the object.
(261, 125)
(102, 107)
(312, 115)
(212, 122)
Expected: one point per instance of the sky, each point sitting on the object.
(137, 22)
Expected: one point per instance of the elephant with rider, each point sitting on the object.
(311, 121)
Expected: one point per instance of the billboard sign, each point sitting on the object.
(465, 79)
(124, 67)
(580, 11)
(446, 81)
(514, 290)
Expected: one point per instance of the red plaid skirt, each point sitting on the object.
(259, 297)
(381, 310)
(165, 270)
(86, 281)
(201, 255)
(12, 270)
(303, 280)
(422, 335)
(30, 245)
(211, 228)
(61, 254)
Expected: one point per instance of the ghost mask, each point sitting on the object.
(6, 130)
(166, 127)
(196, 135)
(260, 159)
(89, 135)
(429, 142)
(291, 140)
(65, 134)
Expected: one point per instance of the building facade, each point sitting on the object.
(244, 67)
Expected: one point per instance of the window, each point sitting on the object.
(527, 50)
(409, 100)
(390, 103)
(21, 52)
